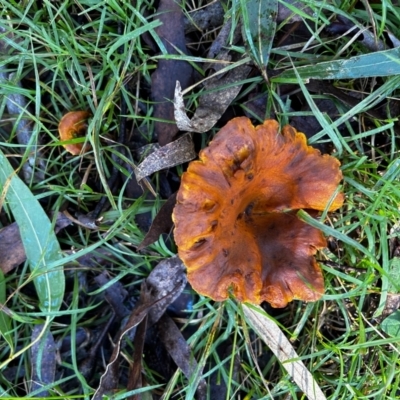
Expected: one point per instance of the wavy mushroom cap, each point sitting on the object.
(235, 219)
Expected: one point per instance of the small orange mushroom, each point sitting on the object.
(73, 125)
(235, 219)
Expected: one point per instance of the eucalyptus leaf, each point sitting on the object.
(38, 237)
(379, 63)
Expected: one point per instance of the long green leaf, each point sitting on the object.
(38, 237)
(379, 63)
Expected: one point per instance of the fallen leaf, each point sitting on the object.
(180, 352)
(285, 11)
(344, 26)
(109, 380)
(274, 338)
(175, 153)
(220, 89)
(164, 284)
(169, 277)
(114, 294)
(205, 18)
(220, 92)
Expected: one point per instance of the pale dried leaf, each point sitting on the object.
(220, 92)
(271, 334)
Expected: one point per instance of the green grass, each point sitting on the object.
(87, 55)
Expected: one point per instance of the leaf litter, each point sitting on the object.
(162, 287)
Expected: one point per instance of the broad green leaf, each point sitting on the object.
(379, 63)
(258, 29)
(40, 242)
(5, 321)
(391, 324)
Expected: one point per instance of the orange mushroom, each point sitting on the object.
(73, 125)
(235, 219)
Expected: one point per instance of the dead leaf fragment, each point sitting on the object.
(162, 223)
(175, 153)
(164, 284)
(220, 92)
(167, 281)
(115, 294)
(180, 352)
(109, 380)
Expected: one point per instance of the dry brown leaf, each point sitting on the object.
(180, 352)
(162, 223)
